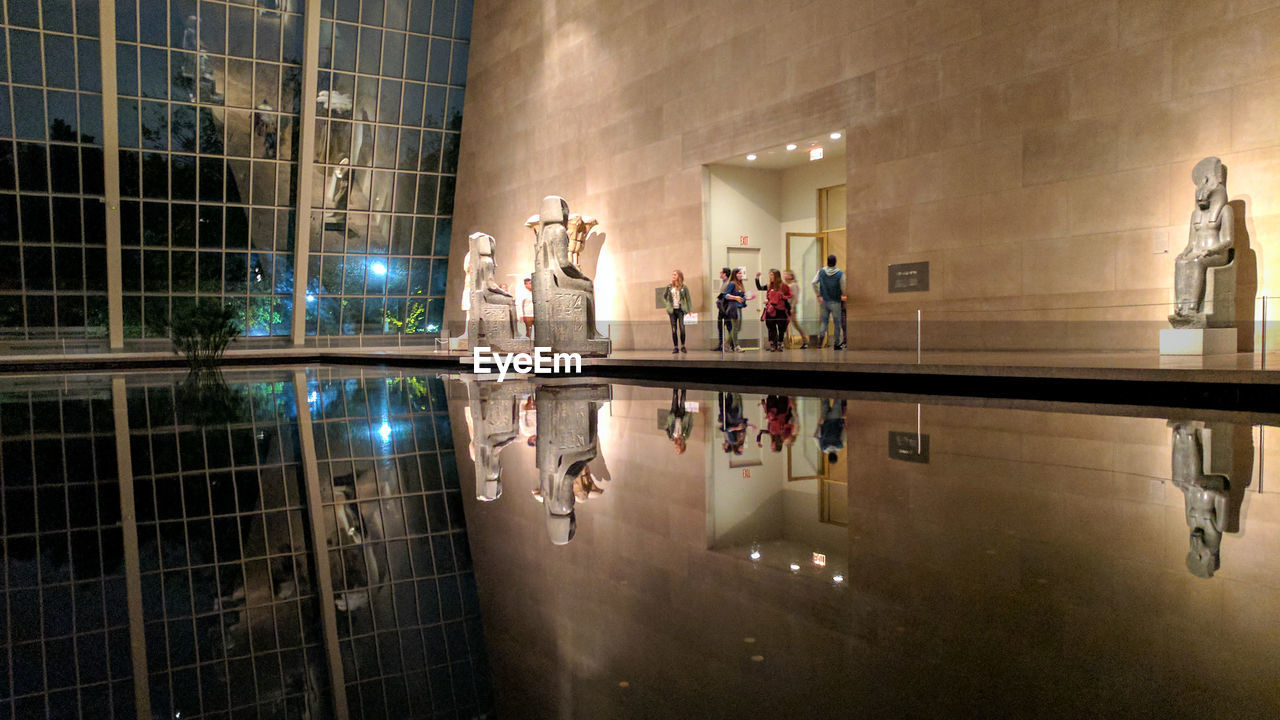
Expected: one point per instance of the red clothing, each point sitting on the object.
(776, 301)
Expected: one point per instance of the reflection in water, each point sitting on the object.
(229, 617)
(1041, 554)
(1213, 500)
(565, 438)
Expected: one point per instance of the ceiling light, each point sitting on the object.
(752, 156)
(791, 146)
(835, 136)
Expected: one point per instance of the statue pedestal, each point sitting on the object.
(1198, 341)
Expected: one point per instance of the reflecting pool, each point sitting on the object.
(578, 549)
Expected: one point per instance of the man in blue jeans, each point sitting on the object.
(829, 288)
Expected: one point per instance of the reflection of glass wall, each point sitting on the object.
(52, 219)
(209, 103)
(65, 635)
(231, 620)
(389, 109)
(408, 616)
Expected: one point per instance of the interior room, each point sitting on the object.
(370, 359)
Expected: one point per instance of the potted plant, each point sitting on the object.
(204, 334)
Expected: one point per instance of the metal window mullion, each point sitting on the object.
(111, 171)
(306, 159)
(309, 467)
(129, 532)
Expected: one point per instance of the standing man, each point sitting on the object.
(524, 306)
(829, 288)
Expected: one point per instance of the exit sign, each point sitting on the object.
(743, 240)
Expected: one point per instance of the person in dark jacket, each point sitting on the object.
(721, 318)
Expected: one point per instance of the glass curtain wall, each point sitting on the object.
(52, 216)
(209, 98)
(389, 109)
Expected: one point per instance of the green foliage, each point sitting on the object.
(412, 322)
(203, 334)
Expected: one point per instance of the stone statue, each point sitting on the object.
(578, 227)
(491, 317)
(1212, 466)
(566, 444)
(1209, 246)
(494, 409)
(564, 313)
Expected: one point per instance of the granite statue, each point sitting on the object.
(491, 315)
(494, 419)
(567, 443)
(1209, 246)
(564, 315)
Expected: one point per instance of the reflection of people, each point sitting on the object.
(732, 422)
(830, 430)
(524, 305)
(679, 426)
(829, 288)
(676, 300)
(789, 277)
(779, 422)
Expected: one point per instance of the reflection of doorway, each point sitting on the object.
(748, 258)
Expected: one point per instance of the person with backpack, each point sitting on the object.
(829, 288)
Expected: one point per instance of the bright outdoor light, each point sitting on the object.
(378, 268)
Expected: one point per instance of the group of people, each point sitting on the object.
(782, 296)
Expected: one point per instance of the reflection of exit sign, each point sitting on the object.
(746, 474)
(743, 240)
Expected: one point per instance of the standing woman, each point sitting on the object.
(777, 301)
(722, 320)
(677, 304)
(789, 277)
(735, 295)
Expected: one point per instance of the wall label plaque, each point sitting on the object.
(909, 277)
(909, 447)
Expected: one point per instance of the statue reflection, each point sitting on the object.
(1212, 464)
(560, 422)
(494, 413)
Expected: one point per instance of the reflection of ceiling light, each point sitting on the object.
(752, 156)
(791, 146)
(837, 578)
(835, 136)
(815, 154)
(378, 268)
(795, 567)
(313, 396)
(819, 559)
(755, 554)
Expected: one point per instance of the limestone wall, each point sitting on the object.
(1037, 154)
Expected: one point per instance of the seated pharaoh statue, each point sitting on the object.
(564, 309)
(1209, 246)
(494, 409)
(491, 317)
(567, 443)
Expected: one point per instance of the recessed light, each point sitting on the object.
(835, 136)
(791, 146)
(752, 156)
